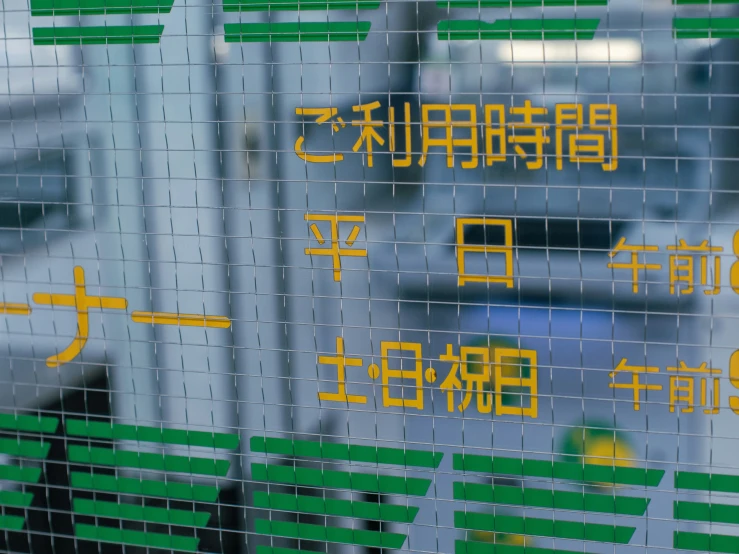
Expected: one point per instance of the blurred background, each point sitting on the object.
(168, 172)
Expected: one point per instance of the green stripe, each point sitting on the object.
(298, 5)
(705, 542)
(263, 549)
(470, 547)
(136, 538)
(701, 511)
(517, 29)
(384, 484)
(574, 530)
(570, 471)
(704, 27)
(24, 449)
(16, 499)
(559, 500)
(307, 531)
(126, 485)
(140, 433)
(710, 482)
(12, 523)
(335, 507)
(449, 4)
(705, 2)
(347, 452)
(20, 474)
(99, 7)
(138, 34)
(148, 460)
(134, 512)
(31, 424)
(334, 31)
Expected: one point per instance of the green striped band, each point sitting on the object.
(20, 474)
(704, 27)
(449, 4)
(148, 460)
(569, 471)
(558, 500)
(333, 31)
(127, 485)
(705, 542)
(574, 530)
(298, 5)
(126, 34)
(136, 538)
(135, 512)
(346, 452)
(705, 2)
(27, 423)
(24, 448)
(709, 482)
(140, 433)
(263, 549)
(306, 531)
(518, 29)
(98, 7)
(702, 511)
(12, 523)
(16, 499)
(384, 484)
(334, 507)
(471, 547)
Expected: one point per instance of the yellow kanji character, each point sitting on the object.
(682, 387)
(608, 114)
(324, 115)
(415, 375)
(734, 275)
(682, 267)
(734, 372)
(82, 303)
(405, 161)
(341, 362)
(448, 141)
(368, 132)
(538, 138)
(504, 382)
(587, 147)
(506, 249)
(470, 373)
(333, 249)
(636, 385)
(491, 156)
(568, 117)
(634, 264)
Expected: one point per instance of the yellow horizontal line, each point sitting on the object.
(187, 320)
(15, 309)
(696, 370)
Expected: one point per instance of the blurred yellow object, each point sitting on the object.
(598, 443)
(500, 538)
(604, 451)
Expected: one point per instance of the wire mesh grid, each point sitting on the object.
(285, 276)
